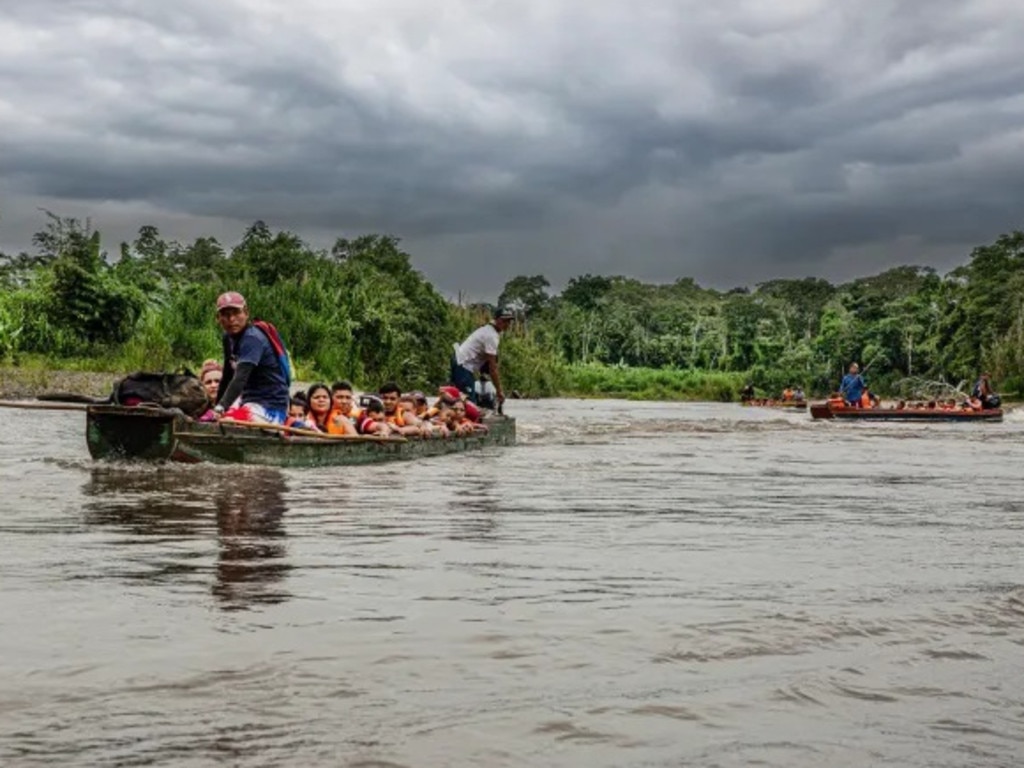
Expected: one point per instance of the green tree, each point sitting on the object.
(527, 295)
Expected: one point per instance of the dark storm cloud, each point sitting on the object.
(733, 142)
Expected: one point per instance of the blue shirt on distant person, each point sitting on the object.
(852, 386)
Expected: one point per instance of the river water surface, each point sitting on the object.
(633, 584)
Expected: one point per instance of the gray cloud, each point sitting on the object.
(733, 142)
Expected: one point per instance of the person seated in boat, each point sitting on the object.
(372, 420)
(253, 372)
(404, 423)
(852, 385)
(296, 411)
(747, 394)
(319, 410)
(869, 399)
(414, 407)
(209, 376)
(407, 405)
(787, 394)
(446, 395)
(420, 404)
(983, 393)
(798, 395)
(344, 414)
(407, 411)
(836, 400)
(901, 405)
(456, 420)
(297, 414)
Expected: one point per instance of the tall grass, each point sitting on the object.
(651, 384)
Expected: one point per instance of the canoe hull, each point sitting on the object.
(824, 411)
(152, 434)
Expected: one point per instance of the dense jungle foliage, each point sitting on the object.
(361, 311)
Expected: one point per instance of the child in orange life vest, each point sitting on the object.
(344, 414)
(402, 422)
(835, 400)
(868, 399)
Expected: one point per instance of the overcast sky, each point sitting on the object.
(732, 141)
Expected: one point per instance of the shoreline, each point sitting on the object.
(17, 383)
(25, 383)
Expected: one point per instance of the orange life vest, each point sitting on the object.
(334, 429)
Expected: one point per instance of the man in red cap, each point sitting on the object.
(253, 372)
(478, 354)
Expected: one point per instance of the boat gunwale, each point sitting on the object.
(823, 411)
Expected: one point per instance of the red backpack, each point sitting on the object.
(283, 359)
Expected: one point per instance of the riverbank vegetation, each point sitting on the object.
(360, 311)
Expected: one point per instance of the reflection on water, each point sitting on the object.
(476, 508)
(246, 506)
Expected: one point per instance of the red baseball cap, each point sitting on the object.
(450, 394)
(230, 299)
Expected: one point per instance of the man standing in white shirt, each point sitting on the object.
(479, 353)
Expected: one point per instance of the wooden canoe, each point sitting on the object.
(157, 434)
(825, 411)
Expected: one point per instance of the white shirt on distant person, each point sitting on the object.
(472, 353)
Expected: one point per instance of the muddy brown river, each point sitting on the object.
(633, 584)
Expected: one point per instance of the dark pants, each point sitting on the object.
(462, 379)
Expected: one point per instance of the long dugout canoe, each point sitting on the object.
(825, 411)
(155, 434)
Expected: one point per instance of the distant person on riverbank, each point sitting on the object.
(253, 367)
(747, 393)
(479, 354)
(852, 386)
